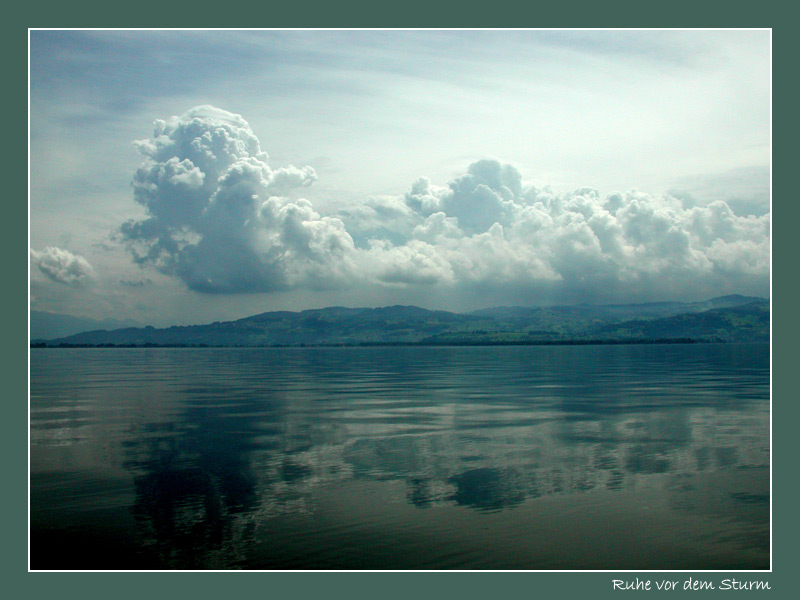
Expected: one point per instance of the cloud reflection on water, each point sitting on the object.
(245, 440)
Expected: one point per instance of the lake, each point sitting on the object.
(508, 457)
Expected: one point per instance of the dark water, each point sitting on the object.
(594, 457)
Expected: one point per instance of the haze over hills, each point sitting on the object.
(726, 319)
(47, 325)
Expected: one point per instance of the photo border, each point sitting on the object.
(411, 14)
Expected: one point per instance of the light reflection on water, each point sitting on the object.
(525, 457)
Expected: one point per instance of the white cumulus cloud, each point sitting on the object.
(222, 220)
(488, 229)
(63, 266)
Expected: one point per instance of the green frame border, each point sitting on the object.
(412, 13)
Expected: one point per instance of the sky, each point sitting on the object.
(182, 177)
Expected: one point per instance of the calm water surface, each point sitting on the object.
(526, 457)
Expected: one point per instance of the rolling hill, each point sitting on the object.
(723, 319)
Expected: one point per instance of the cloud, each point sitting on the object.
(222, 220)
(478, 199)
(487, 230)
(62, 266)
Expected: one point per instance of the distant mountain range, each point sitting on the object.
(46, 325)
(724, 319)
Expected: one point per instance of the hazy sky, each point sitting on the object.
(192, 176)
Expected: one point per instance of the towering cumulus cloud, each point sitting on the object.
(219, 217)
(222, 220)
